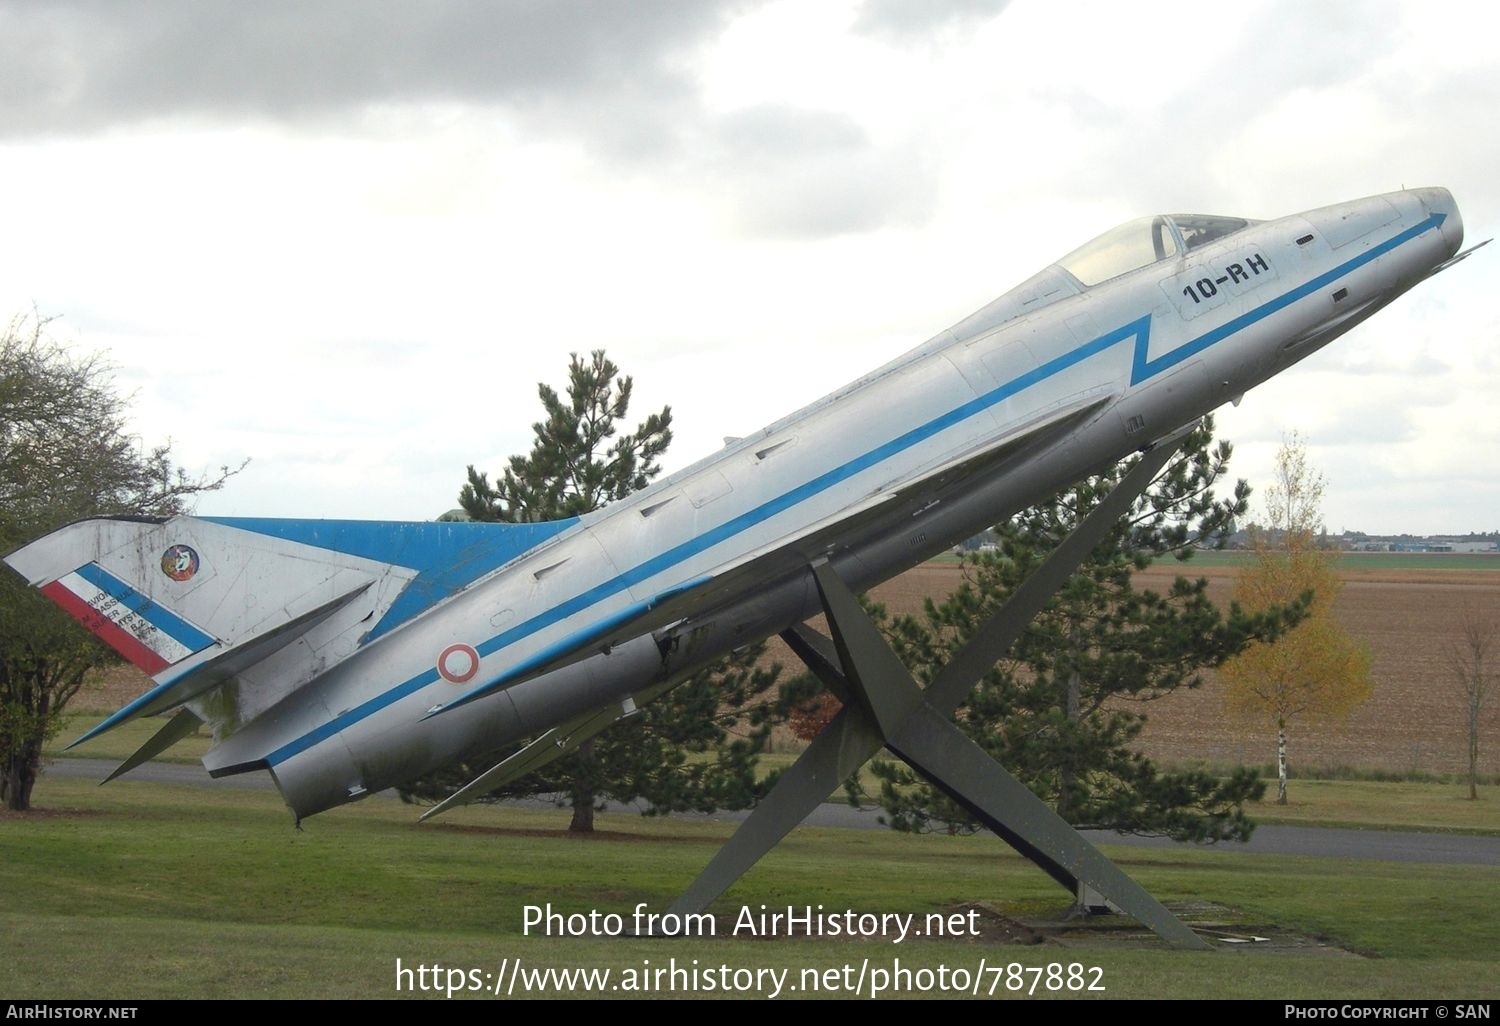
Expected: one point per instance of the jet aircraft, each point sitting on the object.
(346, 657)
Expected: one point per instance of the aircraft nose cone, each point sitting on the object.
(1440, 201)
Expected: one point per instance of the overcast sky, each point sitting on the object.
(347, 239)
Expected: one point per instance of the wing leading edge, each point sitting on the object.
(786, 556)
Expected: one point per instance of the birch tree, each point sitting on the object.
(1315, 670)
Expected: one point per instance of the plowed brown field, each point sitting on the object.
(1414, 719)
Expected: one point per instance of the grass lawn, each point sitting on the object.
(1370, 804)
(1405, 805)
(142, 890)
(1383, 805)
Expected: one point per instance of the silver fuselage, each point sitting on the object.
(1144, 352)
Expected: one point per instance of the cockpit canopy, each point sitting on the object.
(1145, 241)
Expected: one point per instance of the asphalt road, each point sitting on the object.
(1329, 842)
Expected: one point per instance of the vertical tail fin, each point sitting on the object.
(197, 602)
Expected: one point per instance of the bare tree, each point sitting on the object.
(66, 452)
(1472, 658)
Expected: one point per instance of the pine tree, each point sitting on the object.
(694, 748)
(577, 463)
(1063, 710)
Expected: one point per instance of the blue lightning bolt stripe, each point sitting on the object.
(1142, 369)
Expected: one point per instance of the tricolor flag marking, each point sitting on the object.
(149, 635)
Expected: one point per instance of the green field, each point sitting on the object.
(1421, 805)
(140, 890)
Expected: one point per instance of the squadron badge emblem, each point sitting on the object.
(179, 562)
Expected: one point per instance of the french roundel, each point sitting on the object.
(458, 663)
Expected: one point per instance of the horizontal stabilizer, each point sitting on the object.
(561, 740)
(196, 602)
(177, 728)
(200, 677)
(445, 556)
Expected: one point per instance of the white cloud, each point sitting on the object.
(350, 248)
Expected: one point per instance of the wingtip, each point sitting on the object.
(92, 733)
(424, 817)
